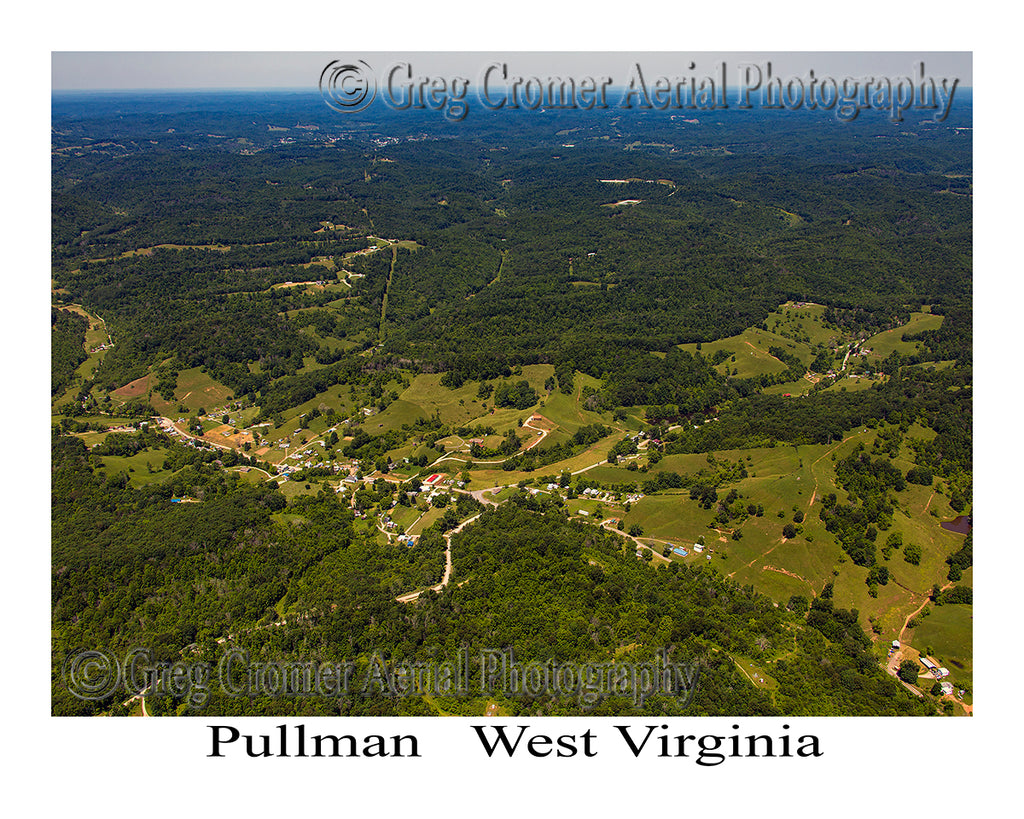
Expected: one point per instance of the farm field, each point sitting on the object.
(426, 395)
(854, 383)
(425, 521)
(295, 489)
(250, 475)
(804, 323)
(793, 388)
(592, 456)
(195, 390)
(404, 516)
(797, 330)
(567, 411)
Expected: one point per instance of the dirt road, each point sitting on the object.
(526, 425)
(408, 598)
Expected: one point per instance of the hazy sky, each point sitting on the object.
(98, 70)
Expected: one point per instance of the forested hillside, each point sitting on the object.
(707, 382)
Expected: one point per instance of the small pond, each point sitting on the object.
(960, 524)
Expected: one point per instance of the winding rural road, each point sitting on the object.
(167, 422)
(531, 445)
(161, 419)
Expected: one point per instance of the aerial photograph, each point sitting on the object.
(512, 386)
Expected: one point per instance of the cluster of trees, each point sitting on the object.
(451, 265)
(678, 384)
(856, 524)
(287, 392)
(957, 594)
(509, 446)
(877, 576)
(627, 446)
(920, 475)
(519, 395)
(369, 448)
(795, 367)
(962, 558)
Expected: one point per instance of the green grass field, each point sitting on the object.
(806, 322)
(883, 344)
(195, 390)
(397, 413)
(596, 454)
(609, 475)
(90, 439)
(596, 510)
(142, 469)
(253, 476)
(294, 489)
(567, 410)
(853, 384)
(672, 517)
(404, 516)
(453, 406)
(754, 672)
(535, 375)
(431, 516)
(793, 388)
(798, 330)
(749, 353)
(289, 519)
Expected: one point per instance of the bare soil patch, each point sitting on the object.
(135, 389)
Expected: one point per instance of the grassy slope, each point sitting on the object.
(883, 344)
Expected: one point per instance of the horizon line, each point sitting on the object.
(258, 88)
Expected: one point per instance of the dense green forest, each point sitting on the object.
(402, 294)
(67, 340)
(522, 259)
